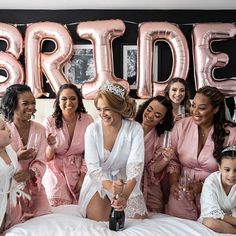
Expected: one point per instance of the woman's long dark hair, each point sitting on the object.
(57, 114)
(167, 122)
(220, 122)
(10, 99)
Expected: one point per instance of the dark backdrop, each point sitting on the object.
(184, 18)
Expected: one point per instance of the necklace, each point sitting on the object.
(71, 123)
(202, 133)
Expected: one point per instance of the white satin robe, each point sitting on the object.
(214, 201)
(6, 173)
(125, 161)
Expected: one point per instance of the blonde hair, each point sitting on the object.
(126, 106)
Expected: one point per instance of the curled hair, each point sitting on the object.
(57, 114)
(10, 99)
(186, 103)
(217, 99)
(167, 122)
(228, 152)
(126, 106)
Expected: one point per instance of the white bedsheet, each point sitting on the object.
(66, 222)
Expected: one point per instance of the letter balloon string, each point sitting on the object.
(126, 21)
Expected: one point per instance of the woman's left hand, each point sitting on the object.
(177, 117)
(195, 189)
(168, 154)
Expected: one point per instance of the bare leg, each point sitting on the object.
(219, 226)
(98, 209)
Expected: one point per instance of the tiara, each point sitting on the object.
(109, 87)
(230, 148)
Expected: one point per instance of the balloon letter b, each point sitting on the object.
(8, 59)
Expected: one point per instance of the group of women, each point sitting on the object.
(117, 160)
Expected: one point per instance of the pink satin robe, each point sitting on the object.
(39, 204)
(185, 141)
(151, 186)
(64, 170)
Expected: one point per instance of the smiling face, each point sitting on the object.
(228, 172)
(177, 92)
(25, 106)
(68, 101)
(5, 134)
(109, 117)
(153, 114)
(202, 110)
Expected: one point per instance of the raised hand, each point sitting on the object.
(51, 139)
(22, 176)
(26, 154)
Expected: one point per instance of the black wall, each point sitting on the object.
(184, 18)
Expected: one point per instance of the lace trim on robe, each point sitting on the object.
(37, 178)
(216, 214)
(134, 170)
(54, 202)
(135, 205)
(98, 175)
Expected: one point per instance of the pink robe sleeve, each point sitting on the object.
(154, 154)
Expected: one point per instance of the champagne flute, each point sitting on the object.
(184, 183)
(181, 111)
(33, 141)
(166, 139)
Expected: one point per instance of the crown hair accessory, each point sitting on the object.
(109, 87)
(230, 148)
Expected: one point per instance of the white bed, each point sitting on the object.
(66, 222)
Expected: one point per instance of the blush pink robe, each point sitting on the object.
(38, 205)
(151, 186)
(185, 141)
(64, 170)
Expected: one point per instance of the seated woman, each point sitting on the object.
(197, 141)
(155, 116)
(65, 130)
(29, 142)
(8, 167)
(218, 198)
(114, 151)
(176, 92)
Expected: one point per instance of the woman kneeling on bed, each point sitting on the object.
(114, 151)
(218, 198)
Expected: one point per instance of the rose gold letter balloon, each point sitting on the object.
(101, 34)
(205, 60)
(149, 33)
(8, 59)
(52, 62)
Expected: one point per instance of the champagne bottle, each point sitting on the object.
(116, 219)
